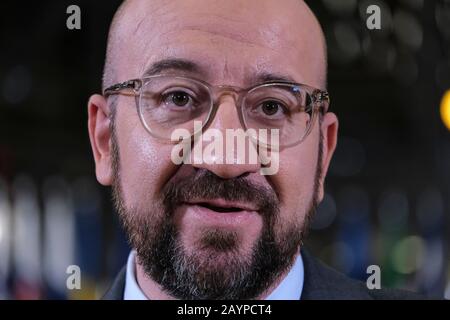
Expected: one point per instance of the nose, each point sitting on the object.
(226, 150)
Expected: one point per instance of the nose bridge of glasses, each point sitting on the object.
(219, 98)
(226, 90)
(225, 117)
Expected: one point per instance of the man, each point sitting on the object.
(206, 228)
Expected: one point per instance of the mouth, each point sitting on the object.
(222, 206)
(219, 213)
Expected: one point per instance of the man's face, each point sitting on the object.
(216, 230)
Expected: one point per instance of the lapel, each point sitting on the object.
(323, 283)
(116, 290)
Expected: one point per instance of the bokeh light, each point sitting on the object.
(393, 210)
(326, 213)
(408, 254)
(408, 29)
(445, 109)
(342, 7)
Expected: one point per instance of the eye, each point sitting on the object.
(273, 108)
(179, 99)
(270, 107)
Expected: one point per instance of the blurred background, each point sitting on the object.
(388, 189)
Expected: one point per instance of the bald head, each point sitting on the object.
(137, 23)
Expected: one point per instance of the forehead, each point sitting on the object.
(230, 40)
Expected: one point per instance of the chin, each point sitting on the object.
(218, 246)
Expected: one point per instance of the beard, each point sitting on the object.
(216, 268)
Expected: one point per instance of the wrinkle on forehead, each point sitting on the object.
(149, 24)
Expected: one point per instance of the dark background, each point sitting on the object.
(388, 186)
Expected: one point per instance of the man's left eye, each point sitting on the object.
(272, 108)
(179, 99)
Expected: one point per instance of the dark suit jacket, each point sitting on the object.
(321, 283)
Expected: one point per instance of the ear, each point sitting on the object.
(100, 137)
(329, 127)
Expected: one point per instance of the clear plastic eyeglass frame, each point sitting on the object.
(318, 101)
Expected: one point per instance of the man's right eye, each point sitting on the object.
(178, 100)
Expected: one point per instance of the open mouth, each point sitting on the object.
(222, 206)
(220, 212)
(219, 209)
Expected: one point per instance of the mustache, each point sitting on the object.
(206, 185)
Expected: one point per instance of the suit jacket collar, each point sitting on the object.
(115, 292)
(325, 283)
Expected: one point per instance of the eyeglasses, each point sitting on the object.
(166, 103)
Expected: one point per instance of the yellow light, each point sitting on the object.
(445, 109)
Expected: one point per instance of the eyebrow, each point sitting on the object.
(272, 77)
(184, 65)
(175, 64)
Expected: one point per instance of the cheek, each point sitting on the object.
(145, 163)
(296, 178)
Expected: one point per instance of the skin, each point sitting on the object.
(232, 41)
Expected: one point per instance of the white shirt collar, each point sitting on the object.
(132, 290)
(289, 289)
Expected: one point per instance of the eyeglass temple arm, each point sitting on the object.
(323, 100)
(134, 85)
